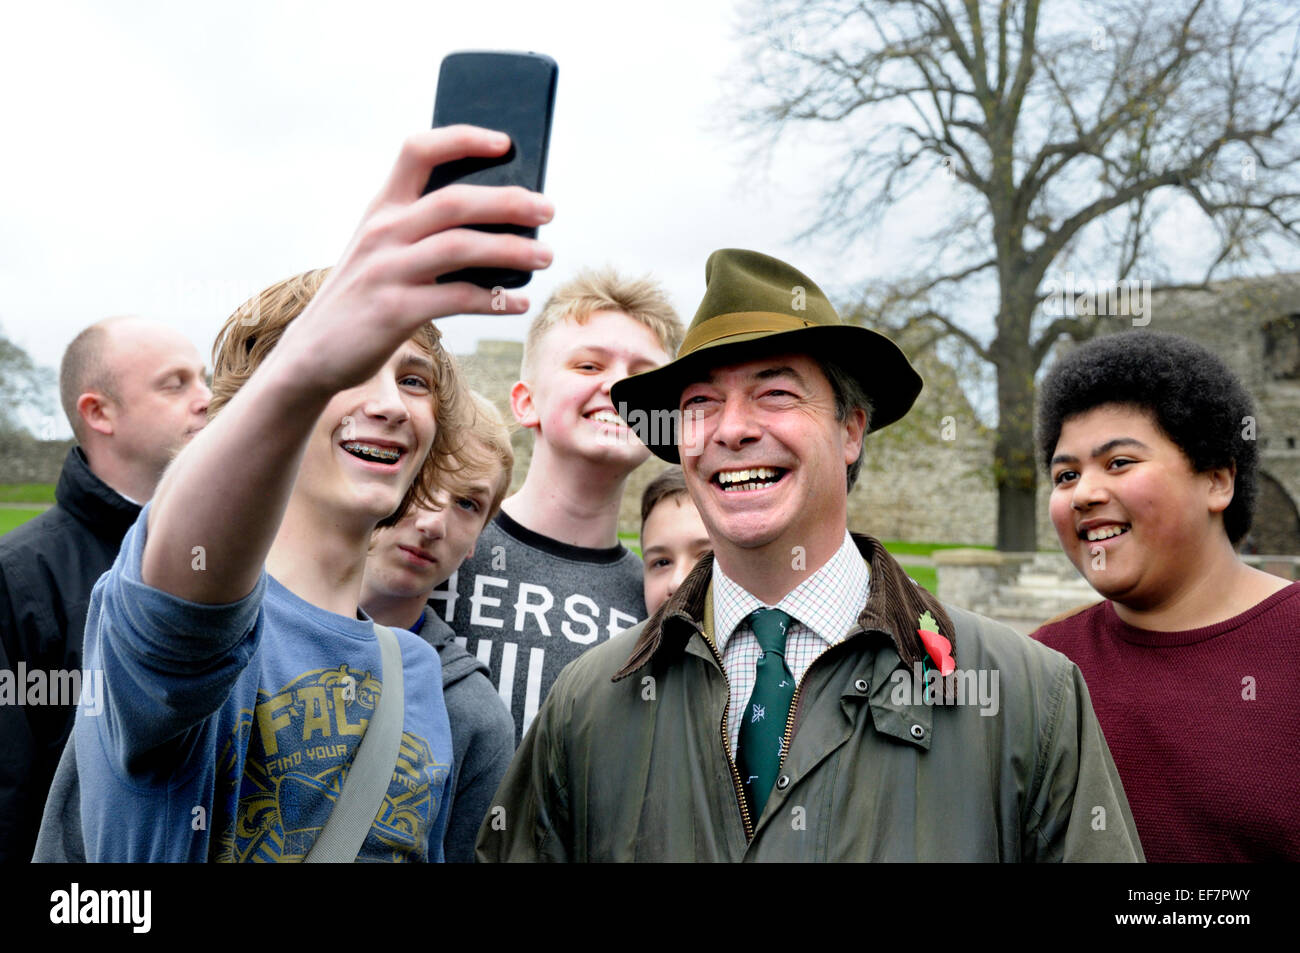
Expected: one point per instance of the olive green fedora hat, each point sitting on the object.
(756, 305)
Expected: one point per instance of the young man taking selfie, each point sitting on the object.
(239, 676)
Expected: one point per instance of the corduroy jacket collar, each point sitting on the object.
(894, 607)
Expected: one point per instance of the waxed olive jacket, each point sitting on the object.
(626, 759)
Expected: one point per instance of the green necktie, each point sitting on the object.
(762, 725)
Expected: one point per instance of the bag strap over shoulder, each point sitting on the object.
(367, 779)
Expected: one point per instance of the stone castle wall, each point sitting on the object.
(929, 476)
(24, 459)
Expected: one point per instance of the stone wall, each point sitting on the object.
(24, 459)
(929, 476)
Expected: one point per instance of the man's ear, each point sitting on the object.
(855, 426)
(97, 411)
(521, 404)
(1223, 482)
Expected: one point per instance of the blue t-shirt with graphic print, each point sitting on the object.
(226, 731)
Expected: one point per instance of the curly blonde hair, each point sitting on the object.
(256, 326)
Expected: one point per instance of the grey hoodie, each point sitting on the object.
(482, 737)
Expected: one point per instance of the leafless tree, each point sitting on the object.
(23, 383)
(1068, 133)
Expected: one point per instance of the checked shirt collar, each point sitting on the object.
(825, 607)
(827, 602)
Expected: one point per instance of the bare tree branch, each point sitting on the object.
(1075, 132)
(950, 327)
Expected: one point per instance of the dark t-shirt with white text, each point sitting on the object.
(527, 605)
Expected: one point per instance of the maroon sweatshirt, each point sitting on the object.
(1204, 726)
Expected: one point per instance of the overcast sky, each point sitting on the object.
(172, 159)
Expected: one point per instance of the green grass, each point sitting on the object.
(898, 547)
(26, 492)
(12, 518)
(927, 576)
(632, 541)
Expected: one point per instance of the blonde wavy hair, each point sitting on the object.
(256, 326)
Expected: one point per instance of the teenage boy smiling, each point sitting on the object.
(549, 578)
(228, 628)
(1144, 528)
(673, 538)
(1191, 661)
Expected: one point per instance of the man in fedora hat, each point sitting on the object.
(798, 697)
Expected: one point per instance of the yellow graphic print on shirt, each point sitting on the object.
(295, 748)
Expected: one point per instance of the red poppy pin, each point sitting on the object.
(939, 648)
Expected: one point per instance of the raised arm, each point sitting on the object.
(227, 491)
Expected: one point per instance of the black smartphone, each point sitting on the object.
(515, 94)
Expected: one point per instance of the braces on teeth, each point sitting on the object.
(382, 454)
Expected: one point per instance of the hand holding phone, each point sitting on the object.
(384, 285)
(512, 93)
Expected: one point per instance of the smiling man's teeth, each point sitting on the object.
(752, 479)
(607, 417)
(368, 451)
(1105, 532)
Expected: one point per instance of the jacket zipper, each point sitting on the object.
(793, 717)
(789, 720)
(726, 750)
(785, 736)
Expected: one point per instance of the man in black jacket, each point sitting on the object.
(134, 392)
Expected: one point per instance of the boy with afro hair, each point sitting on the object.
(1191, 660)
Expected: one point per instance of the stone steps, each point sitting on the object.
(1022, 590)
(1046, 586)
(1049, 580)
